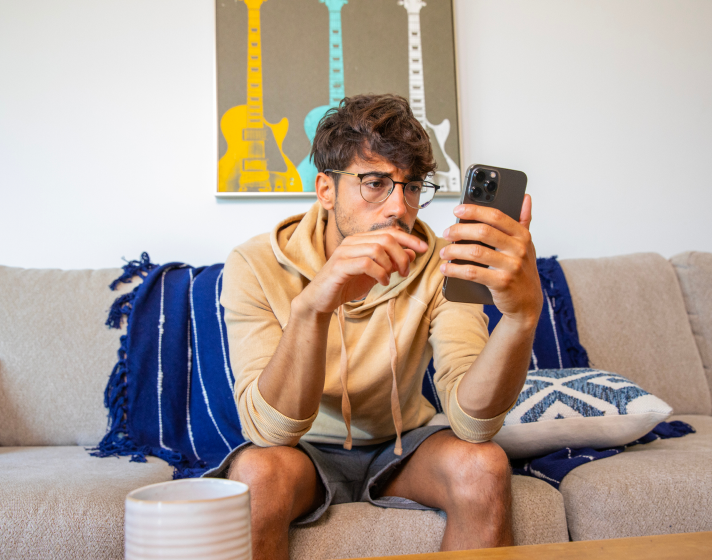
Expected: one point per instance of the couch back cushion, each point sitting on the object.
(56, 355)
(632, 320)
(694, 270)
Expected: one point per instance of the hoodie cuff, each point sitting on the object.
(274, 427)
(468, 428)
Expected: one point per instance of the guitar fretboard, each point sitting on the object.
(336, 57)
(255, 113)
(416, 84)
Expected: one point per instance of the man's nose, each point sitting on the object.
(395, 204)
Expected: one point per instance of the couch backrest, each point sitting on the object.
(694, 270)
(632, 320)
(55, 355)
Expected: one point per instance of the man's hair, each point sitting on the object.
(364, 125)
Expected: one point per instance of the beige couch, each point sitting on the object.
(639, 315)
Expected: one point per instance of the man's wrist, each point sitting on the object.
(302, 311)
(524, 324)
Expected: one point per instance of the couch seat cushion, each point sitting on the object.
(653, 489)
(359, 530)
(59, 502)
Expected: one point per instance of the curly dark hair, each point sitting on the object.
(364, 125)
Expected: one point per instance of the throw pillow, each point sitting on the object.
(576, 408)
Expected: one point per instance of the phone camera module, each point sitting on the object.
(490, 186)
(480, 176)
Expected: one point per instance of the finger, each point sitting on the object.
(393, 248)
(411, 254)
(373, 251)
(405, 240)
(490, 216)
(489, 235)
(478, 254)
(471, 272)
(525, 217)
(367, 266)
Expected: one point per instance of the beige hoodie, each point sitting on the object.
(378, 348)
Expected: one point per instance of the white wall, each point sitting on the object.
(107, 135)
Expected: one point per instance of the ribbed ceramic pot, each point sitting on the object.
(203, 518)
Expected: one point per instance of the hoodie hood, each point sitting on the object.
(298, 244)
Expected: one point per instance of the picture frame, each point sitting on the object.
(281, 64)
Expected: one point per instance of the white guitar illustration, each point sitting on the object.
(448, 179)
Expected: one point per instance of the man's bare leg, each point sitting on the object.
(471, 482)
(283, 485)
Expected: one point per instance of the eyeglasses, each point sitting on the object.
(377, 187)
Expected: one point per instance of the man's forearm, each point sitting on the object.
(496, 377)
(293, 380)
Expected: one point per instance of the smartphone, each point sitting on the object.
(485, 185)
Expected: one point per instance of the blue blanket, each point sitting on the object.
(170, 394)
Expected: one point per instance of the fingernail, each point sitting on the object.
(442, 268)
(446, 232)
(442, 253)
(459, 210)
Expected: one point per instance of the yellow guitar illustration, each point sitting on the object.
(246, 166)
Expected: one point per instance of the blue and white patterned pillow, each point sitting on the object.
(578, 407)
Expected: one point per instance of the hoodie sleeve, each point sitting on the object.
(254, 333)
(458, 333)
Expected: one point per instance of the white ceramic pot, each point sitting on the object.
(201, 518)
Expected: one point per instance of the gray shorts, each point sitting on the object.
(355, 475)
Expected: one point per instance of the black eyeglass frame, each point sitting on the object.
(426, 184)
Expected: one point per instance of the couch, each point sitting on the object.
(639, 315)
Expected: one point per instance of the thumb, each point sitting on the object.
(525, 218)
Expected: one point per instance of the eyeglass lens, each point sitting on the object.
(375, 189)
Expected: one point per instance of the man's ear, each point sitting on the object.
(325, 191)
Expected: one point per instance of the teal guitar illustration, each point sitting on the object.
(307, 169)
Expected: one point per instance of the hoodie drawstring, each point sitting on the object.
(395, 401)
(344, 373)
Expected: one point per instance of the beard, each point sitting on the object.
(346, 225)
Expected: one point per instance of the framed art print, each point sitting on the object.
(281, 64)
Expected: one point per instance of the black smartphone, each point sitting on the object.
(485, 185)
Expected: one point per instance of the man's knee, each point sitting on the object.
(273, 466)
(283, 481)
(478, 472)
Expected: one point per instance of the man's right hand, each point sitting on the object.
(359, 263)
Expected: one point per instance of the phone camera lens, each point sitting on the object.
(480, 176)
(477, 192)
(491, 186)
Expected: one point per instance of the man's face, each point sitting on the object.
(354, 215)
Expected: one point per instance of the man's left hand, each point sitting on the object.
(512, 275)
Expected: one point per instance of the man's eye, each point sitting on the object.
(414, 187)
(374, 184)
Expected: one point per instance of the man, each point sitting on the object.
(332, 320)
